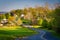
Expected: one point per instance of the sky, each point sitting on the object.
(7, 5)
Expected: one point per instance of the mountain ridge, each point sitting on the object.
(3, 12)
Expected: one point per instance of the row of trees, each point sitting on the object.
(2, 16)
(33, 14)
(57, 19)
(54, 23)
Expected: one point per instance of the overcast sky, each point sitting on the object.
(7, 5)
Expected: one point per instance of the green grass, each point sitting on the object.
(55, 34)
(18, 32)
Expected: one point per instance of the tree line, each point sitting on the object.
(42, 16)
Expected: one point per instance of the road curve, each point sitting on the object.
(42, 35)
(38, 36)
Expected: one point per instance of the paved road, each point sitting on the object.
(37, 36)
(43, 35)
(48, 36)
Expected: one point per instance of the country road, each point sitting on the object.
(42, 35)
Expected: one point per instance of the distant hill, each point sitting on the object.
(3, 12)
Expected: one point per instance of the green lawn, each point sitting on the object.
(7, 33)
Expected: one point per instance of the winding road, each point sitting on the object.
(42, 35)
(37, 36)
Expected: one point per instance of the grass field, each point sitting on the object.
(8, 33)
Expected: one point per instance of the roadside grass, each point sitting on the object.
(55, 34)
(9, 27)
(36, 26)
(52, 32)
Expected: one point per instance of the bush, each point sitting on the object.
(45, 24)
(40, 22)
(58, 30)
(49, 26)
(27, 22)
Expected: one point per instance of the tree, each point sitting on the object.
(57, 19)
(7, 15)
(1, 17)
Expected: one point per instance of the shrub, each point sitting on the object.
(40, 21)
(45, 24)
(27, 22)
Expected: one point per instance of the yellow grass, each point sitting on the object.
(9, 27)
(36, 26)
